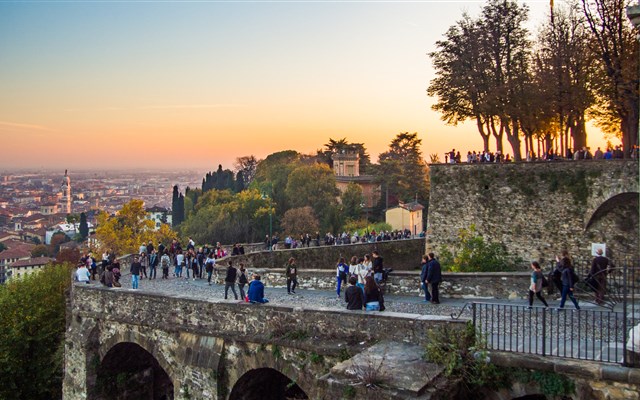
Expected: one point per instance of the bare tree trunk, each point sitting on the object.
(485, 136)
(497, 134)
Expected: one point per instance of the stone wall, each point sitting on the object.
(498, 285)
(538, 209)
(398, 254)
(592, 380)
(205, 345)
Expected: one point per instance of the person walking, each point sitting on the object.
(434, 277)
(341, 274)
(536, 285)
(230, 281)
(292, 276)
(144, 263)
(242, 280)
(210, 263)
(568, 277)
(598, 274)
(135, 268)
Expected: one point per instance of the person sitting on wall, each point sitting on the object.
(354, 296)
(256, 291)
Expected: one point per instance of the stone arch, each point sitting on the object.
(615, 220)
(128, 371)
(266, 384)
(141, 340)
(609, 204)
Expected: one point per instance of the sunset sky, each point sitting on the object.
(194, 84)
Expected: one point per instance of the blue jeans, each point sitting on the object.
(566, 292)
(427, 295)
(339, 280)
(134, 281)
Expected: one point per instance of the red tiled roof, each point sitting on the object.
(15, 253)
(32, 262)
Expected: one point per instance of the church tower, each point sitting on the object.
(66, 190)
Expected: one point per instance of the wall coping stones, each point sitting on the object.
(577, 368)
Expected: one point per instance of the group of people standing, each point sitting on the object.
(364, 274)
(430, 278)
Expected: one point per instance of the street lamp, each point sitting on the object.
(265, 197)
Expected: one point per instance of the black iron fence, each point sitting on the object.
(605, 334)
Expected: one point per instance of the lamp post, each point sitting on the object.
(265, 197)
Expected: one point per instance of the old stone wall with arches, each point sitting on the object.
(538, 209)
(124, 344)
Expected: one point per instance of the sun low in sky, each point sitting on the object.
(194, 84)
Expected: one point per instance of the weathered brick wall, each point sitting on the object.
(538, 209)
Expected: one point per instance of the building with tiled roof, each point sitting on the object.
(406, 216)
(22, 268)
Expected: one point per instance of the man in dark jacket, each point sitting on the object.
(598, 273)
(434, 277)
(353, 295)
(230, 281)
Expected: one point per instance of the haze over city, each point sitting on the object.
(109, 85)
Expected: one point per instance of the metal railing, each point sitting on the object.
(601, 334)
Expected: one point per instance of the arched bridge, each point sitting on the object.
(125, 344)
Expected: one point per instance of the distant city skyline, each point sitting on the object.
(175, 85)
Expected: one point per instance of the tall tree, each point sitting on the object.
(613, 42)
(564, 73)
(504, 41)
(314, 186)
(352, 200)
(297, 221)
(84, 227)
(402, 170)
(247, 165)
(272, 175)
(461, 82)
(175, 207)
(32, 326)
(124, 231)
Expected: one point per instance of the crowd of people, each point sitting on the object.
(584, 153)
(366, 275)
(329, 239)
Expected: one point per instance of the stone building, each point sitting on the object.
(406, 216)
(346, 166)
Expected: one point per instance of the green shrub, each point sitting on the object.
(475, 254)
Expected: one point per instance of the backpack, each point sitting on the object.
(545, 281)
(574, 276)
(164, 263)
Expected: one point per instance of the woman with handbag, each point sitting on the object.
(537, 278)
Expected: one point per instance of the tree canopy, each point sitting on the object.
(32, 327)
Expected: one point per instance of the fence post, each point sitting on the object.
(544, 332)
(625, 271)
(473, 309)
